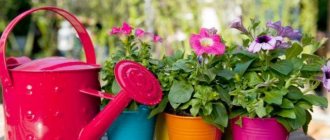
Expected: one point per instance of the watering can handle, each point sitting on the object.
(81, 31)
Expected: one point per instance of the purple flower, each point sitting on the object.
(286, 31)
(264, 42)
(326, 76)
(237, 24)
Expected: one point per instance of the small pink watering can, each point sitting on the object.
(58, 99)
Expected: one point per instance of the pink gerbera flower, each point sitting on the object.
(207, 41)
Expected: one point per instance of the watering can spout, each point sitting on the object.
(99, 125)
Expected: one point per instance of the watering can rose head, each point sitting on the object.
(275, 74)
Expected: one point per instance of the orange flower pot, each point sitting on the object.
(190, 128)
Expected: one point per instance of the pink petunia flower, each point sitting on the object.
(139, 32)
(115, 30)
(264, 42)
(157, 39)
(207, 42)
(126, 29)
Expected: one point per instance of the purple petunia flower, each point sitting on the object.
(286, 31)
(264, 42)
(237, 24)
(326, 76)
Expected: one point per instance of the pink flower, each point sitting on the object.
(157, 38)
(207, 41)
(139, 32)
(115, 30)
(126, 29)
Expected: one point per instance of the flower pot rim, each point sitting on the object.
(182, 117)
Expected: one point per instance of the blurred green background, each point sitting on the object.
(174, 20)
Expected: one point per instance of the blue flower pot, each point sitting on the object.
(133, 125)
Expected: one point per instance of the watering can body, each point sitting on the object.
(47, 104)
(56, 98)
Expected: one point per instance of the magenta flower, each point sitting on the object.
(326, 76)
(157, 39)
(264, 42)
(126, 29)
(115, 30)
(207, 42)
(139, 32)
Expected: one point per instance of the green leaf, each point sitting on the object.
(285, 123)
(304, 104)
(287, 113)
(274, 97)
(218, 116)
(316, 100)
(224, 95)
(210, 74)
(175, 105)
(260, 109)
(284, 67)
(293, 51)
(242, 67)
(207, 109)
(297, 63)
(227, 74)
(308, 120)
(183, 65)
(311, 67)
(253, 79)
(287, 104)
(115, 88)
(300, 120)
(294, 93)
(195, 107)
(180, 92)
(160, 108)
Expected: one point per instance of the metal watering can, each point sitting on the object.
(58, 98)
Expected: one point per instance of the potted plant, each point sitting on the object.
(134, 122)
(194, 103)
(275, 74)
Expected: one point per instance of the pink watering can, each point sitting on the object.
(58, 98)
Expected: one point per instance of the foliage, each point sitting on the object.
(276, 82)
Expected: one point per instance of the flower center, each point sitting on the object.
(263, 39)
(327, 75)
(206, 42)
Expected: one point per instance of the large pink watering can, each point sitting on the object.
(55, 98)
